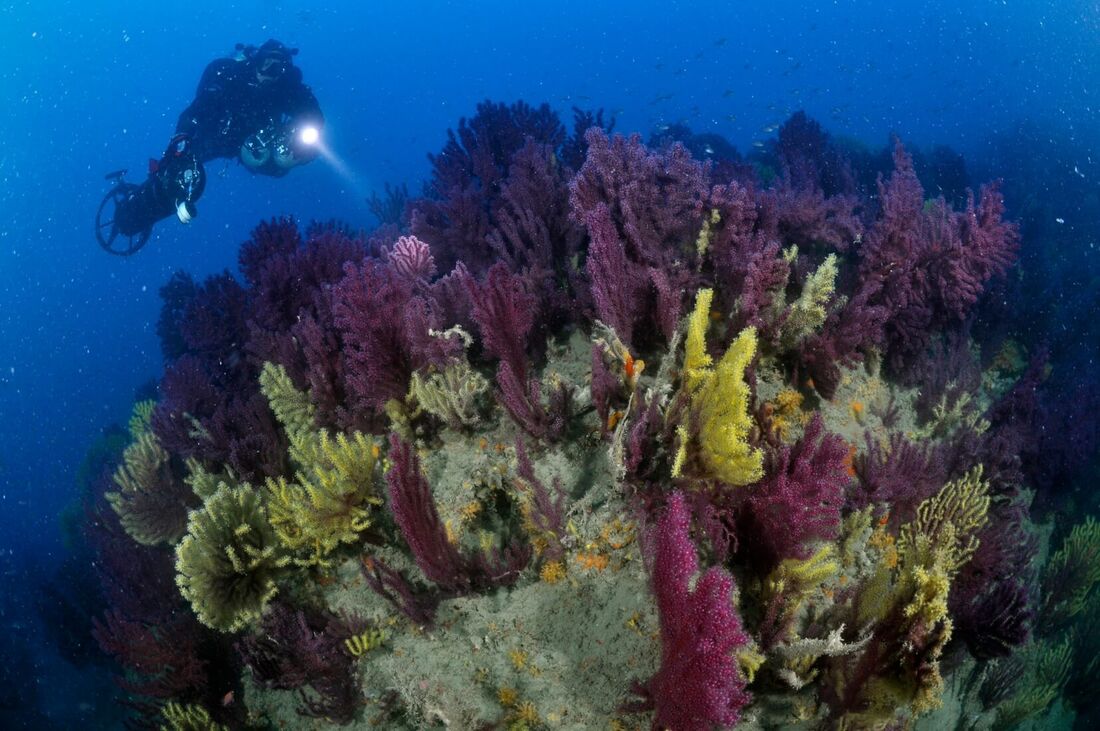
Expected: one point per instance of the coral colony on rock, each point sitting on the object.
(598, 435)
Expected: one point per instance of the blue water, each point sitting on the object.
(89, 88)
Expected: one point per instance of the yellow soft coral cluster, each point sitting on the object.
(336, 486)
(141, 478)
(720, 400)
(229, 561)
(909, 603)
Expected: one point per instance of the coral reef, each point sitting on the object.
(590, 411)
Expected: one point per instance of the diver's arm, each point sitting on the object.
(204, 117)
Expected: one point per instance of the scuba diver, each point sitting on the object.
(253, 106)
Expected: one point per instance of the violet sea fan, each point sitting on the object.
(535, 234)
(161, 661)
(504, 311)
(847, 333)
(411, 258)
(698, 685)
(799, 499)
(464, 194)
(646, 209)
(415, 514)
(198, 418)
(744, 252)
(175, 295)
(545, 510)
(414, 602)
(809, 159)
(575, 148)
(214, 328)
(296, 649)
(287, 279)
(617, 288)
(605, 388)
(935, 262)
(897, 476)
(385, 328)
(991, 599)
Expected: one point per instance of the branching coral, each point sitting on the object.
(718, 427)
(299, 648)
(798, 501)
(451, 395)
(337, 483)
(945, 529)
(444, 563)
(228, 563)
(1071, 574)
(698, 684)
(1046, 670)
(900, 666)
(190, 717)
(152, 501)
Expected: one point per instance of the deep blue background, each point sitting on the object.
(87, 88)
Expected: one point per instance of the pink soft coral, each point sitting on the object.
(698, 685)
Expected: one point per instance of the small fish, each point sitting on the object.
(757, 144)
(227, 699)
(795, 67)
(721, 41)
(727, 93)
(1059, 220)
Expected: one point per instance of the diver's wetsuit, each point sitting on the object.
(231, 105)
(251, 106)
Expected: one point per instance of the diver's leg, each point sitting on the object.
(174, 186)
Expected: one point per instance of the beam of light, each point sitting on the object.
(340, 168)
(310, 136)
